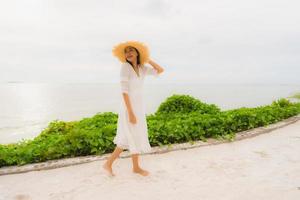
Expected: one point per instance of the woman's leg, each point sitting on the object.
(136, 168)
(108, 164)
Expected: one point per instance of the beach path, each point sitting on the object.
(263, 167)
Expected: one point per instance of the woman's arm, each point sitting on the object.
(127, 102)
(130, 112)
(124, 81)
(158, 68)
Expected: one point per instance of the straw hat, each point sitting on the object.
(118, 50)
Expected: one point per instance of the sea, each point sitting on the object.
(27, 108)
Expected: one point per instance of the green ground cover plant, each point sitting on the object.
(180, 118)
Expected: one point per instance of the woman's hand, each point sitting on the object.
(132, 117)
(158, 68)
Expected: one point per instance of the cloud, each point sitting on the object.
(196, 41)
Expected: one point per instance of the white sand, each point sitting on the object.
(264, 167)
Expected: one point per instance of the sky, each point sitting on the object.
(195, 41)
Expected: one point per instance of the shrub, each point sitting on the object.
(185, 104)
(181, 118)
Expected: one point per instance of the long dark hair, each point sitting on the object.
(138, 57)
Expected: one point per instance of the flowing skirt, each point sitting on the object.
(133, 137)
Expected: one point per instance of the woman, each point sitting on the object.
(132, 133)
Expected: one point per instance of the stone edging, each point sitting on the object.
(51, 164)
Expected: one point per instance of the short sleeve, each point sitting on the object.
(124, 78)
(151, 71)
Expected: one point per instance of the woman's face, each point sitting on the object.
(130, 54)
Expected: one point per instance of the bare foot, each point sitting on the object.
(141, 171)
(108, 168)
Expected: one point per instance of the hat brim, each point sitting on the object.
(118, 50)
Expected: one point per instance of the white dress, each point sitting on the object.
(133, 137)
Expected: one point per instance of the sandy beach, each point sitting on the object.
(263, 167)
